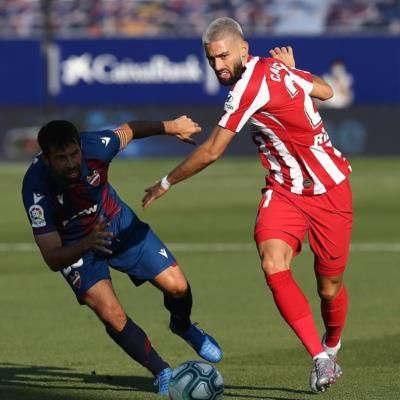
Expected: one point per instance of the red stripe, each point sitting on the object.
(248, 96)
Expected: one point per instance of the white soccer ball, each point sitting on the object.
(196, 380)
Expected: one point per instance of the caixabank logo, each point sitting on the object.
(162, 73)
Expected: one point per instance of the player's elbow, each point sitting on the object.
(213, 156)
(327, 92)
(53, 264)
(210, 154)
(321, 89)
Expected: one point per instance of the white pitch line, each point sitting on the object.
(221, 247)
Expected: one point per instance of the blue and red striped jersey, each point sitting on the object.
(72, 210)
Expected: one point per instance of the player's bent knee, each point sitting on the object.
(329, 286)
(272, 265)
(178, 289)
(329, 293)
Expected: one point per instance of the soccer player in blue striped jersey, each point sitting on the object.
(82, 228)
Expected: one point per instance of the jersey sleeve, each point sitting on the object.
(39, 209)
(102, 145)
(303, 78)
(248, 95)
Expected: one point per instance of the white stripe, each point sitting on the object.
(294, 168)
(303, 83)
(268, 196)
(276, 120)
(274, 163)
(238, 91)
(363, 247)
(319, 188)
(260, 100)
(328, 164)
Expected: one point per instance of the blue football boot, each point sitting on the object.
(204, 345)
(162, 381)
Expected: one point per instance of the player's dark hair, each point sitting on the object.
(57, 134)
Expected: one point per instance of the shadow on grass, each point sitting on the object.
(265, 389)
(30, 382)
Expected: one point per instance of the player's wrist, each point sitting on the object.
(170, 127)
(165, 183)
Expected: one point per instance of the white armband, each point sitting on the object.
(164, 183)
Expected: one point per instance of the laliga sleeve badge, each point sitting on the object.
(36, 214)
(229, 103)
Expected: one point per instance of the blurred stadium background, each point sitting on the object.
(102, 62)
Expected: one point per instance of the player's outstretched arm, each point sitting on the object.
(58, 256)
(204, 155)
(182, 127)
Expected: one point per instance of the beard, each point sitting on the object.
(68, 176)
(235, 75)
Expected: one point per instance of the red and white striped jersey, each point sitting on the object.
(286, 126)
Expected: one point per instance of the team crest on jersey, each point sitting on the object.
(36, 214)
(94, 178)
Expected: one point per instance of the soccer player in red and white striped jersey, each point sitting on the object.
(307, 189)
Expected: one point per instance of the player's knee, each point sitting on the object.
(272, 264)
(329, 287)
(178, 289)
(329, 292)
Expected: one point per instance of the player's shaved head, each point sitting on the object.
(222, 28)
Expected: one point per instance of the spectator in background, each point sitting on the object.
(179, 18)
(341, 82)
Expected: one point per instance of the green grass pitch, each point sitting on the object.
(53, 349)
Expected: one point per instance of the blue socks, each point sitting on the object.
(134, 341)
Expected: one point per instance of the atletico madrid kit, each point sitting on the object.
(307, 188)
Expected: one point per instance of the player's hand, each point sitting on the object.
(284, 54)
(183, 128)
(152, 193)
(100, 238)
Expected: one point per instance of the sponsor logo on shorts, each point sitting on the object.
(75, 279)
(73, 275)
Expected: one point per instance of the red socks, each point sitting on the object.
(295, 309)
(334, 315)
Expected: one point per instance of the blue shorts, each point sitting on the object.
(142, 256)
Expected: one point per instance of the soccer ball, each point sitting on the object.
(196, 380)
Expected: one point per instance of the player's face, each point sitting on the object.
(227, 57)
(65, 163)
